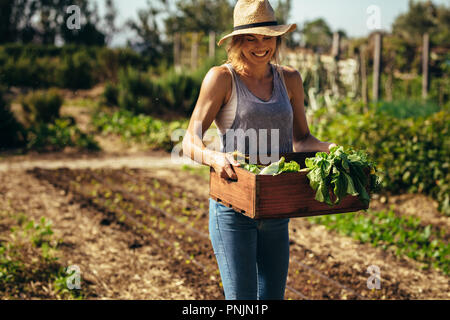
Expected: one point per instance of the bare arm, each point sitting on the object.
(213, 94)
(303, 140)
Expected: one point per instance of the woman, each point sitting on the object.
(250, 93)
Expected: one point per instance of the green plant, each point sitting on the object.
(412, 154)
(58, 135)
(42, 106)
(403, 109)
(12, 132)
(110, 94)
(344, 172)
(135, 91)
(75, 71)
(403, 235)
(29, 262)
(139, 128)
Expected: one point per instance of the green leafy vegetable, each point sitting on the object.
(274, 168)
(253, 168)
(342, 172)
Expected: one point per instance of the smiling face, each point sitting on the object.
(252, 49)
(258, 49)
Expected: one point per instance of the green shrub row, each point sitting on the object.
(144, 92)
(413, 154)
(41, 106)
(140, 93)
(73, 67)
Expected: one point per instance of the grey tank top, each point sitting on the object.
(260, 127)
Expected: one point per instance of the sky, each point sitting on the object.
(352, 16)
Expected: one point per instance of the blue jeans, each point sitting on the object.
(253, 255)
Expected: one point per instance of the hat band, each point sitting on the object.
(255, 25)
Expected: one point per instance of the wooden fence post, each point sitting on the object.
(194, 51)
(212, 44)
(336, 50)
(177, 51)
(425, 65)
(377, 66)
(335, 53)
(363, 67)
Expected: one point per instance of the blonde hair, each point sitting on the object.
(236, 58)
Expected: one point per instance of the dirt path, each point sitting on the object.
(132, 161)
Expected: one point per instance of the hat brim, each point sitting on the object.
(273, 31)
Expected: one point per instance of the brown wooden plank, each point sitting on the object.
(239, 195)
(291, 194)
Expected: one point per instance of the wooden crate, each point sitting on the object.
(287, 195)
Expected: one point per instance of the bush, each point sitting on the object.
(179, 91)
(139, 128)
(75, 71)
(42, 106)
(403, 109)
(70, 66)
(135, 91)
(111, 94)
(413, 153)
(12, 133)
(58, 135)
(141, 92)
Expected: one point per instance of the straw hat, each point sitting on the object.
(256, 17)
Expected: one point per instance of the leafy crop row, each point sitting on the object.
(139, 128)
(29, 265)
(404, 235)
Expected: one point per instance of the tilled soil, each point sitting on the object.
(115, 261)
(149, 255)
(345, 260)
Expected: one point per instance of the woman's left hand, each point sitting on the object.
(329, 146)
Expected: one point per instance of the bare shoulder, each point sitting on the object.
(291, 74)
(218, 75)
(293, 80)
(218, 81)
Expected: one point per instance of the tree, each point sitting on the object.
(110, 18)
(42, 21)
(317, 35)
(15, 20)
(424, 17)
(283, 11)
(200, 16)
(148, 41)
(89, 33)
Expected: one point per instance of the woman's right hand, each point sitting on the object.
(222, 164)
